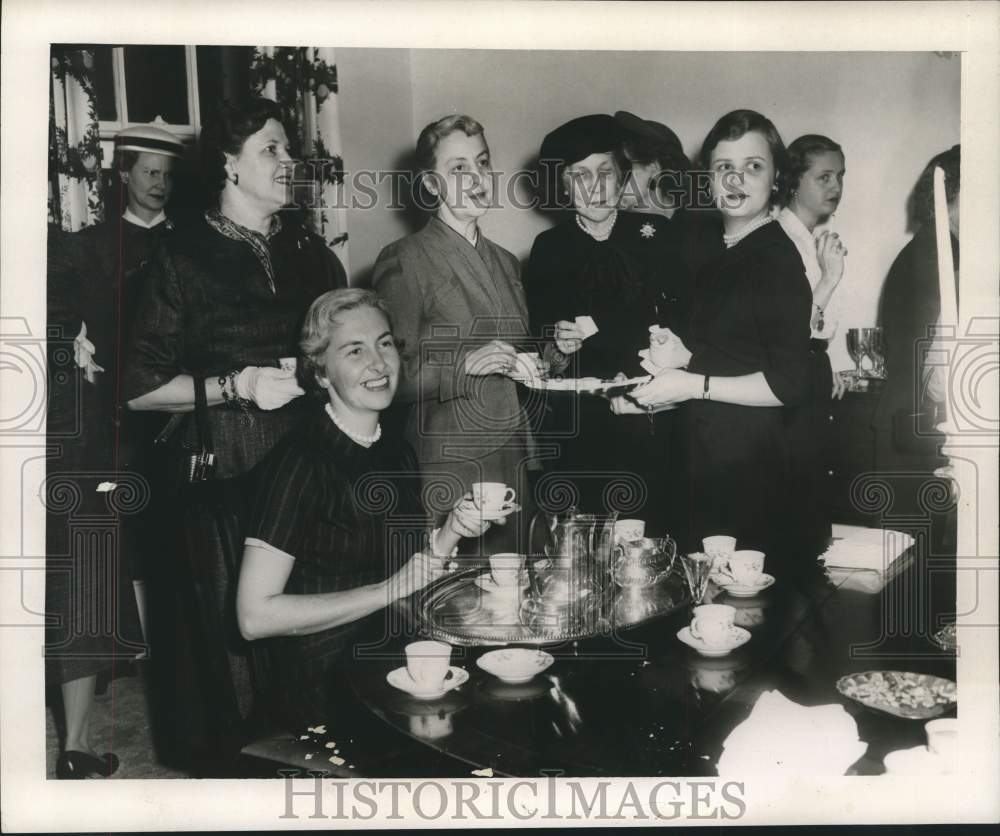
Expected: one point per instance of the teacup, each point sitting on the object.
(719, 546)
(713, 623)
(629, 530)
(942, 738)
(492, 496)
(427, 662)
(506, 568)
(745, 566)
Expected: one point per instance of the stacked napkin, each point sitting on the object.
(783, 737)
(874, 549)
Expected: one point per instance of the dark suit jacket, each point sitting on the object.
(447, 298)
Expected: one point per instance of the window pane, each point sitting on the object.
(104, 84)
(223, 74)
(156, 84)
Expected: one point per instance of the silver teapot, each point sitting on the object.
(569, 580)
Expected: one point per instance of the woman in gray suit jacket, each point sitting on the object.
(458, 306)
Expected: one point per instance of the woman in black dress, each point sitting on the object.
(93, 279)
(338, 529)
(749, 348)
(620, 269)
(222, 312)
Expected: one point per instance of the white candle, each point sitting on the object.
(946, 267)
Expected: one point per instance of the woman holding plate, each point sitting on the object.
(746, 358)
(622, 271)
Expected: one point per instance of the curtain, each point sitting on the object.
(303, 81)
(74, 142)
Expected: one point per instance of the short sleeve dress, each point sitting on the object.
(222, 297)
(350, 516)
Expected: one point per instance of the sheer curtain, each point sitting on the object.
(74, 142)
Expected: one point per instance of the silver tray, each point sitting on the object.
(457, 610)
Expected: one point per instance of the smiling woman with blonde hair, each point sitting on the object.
(336, 533)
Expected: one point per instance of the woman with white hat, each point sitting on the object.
(93, 280)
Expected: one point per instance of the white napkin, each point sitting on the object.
(873, 549)
(647, 364)
(587, 325)
(783, 737)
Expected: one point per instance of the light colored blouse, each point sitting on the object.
(805, 243)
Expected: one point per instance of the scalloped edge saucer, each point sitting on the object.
(400, 678)
(740, 638)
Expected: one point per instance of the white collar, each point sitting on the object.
(134, 219)
(792, 224)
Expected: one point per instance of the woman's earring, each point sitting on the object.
(235, 179)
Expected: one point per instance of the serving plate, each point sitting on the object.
(912, 696)
(584, 385)
(456, 610)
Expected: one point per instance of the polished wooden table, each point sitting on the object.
(641, 703)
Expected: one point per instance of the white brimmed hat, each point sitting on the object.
(149, 140)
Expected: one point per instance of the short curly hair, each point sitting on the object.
(738, 123)
(317, 329)
(922, 199)
(226, 133)
(425, 156)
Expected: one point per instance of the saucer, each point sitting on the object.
(515, 665)
(737, 637)
(494, 514)
(916, 761)
(486, 583)
(743, 590)
(400, 678)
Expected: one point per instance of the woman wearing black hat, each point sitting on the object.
(220, 318)
(749, 348)
(621, 270)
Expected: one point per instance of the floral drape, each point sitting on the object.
(74, 142)
(303, 81)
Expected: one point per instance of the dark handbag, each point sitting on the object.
(187, 463)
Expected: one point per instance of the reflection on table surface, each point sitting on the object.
(636, 701)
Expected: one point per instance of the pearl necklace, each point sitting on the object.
(732, 240)
(363, 440)
(604, 228)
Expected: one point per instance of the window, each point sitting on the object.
(136, 85)
(173, 85)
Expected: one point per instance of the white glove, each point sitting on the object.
(83, 353)
(268, 387)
